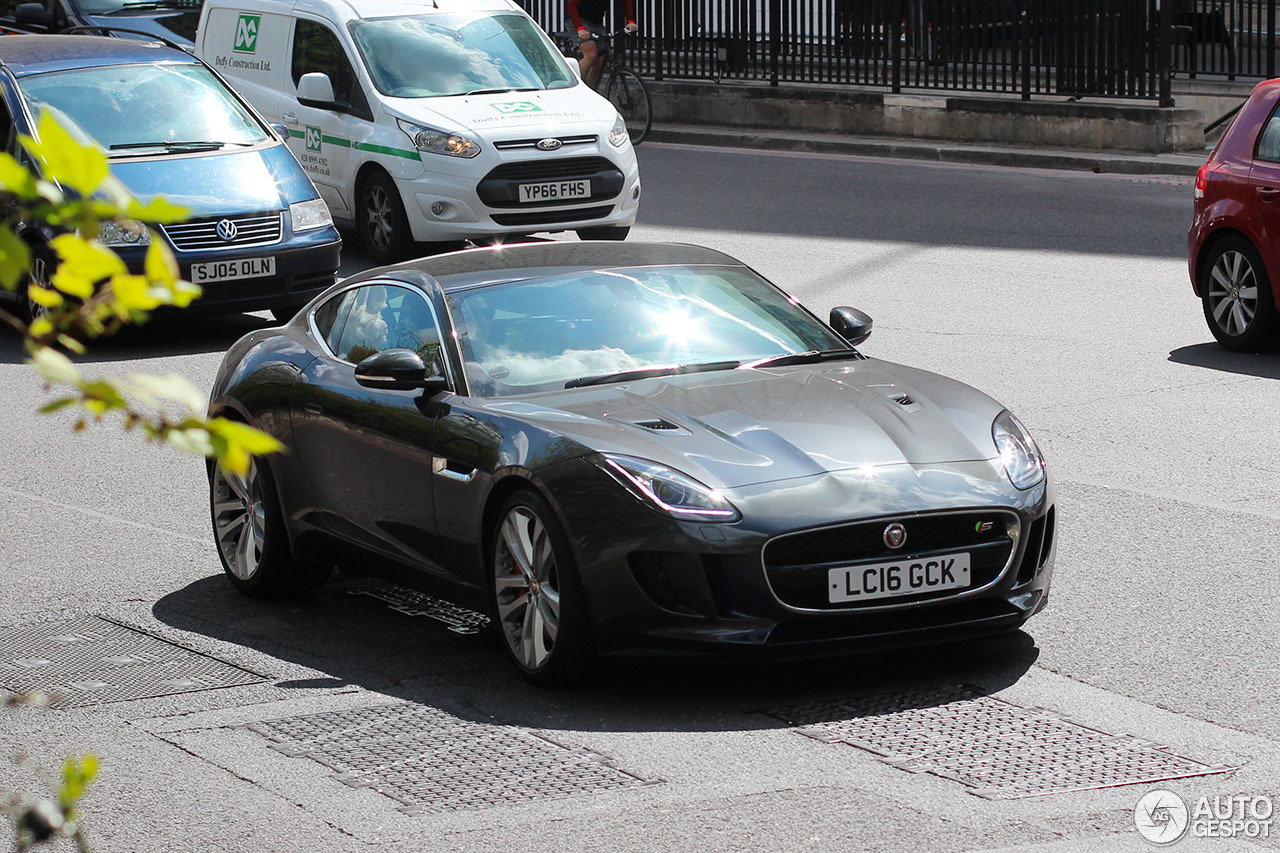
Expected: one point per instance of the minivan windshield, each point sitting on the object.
(428, 56)
(144, 109)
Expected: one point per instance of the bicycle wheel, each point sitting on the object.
(628, 95)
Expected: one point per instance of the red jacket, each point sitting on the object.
(594, 10)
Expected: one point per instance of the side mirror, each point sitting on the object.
(280, 130)
(33, 13)
(851, 324)
(398, 370)
(316, 90)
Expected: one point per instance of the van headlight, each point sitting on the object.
(1018, 451)
(309, 215)
(618, 135)
(669, 490)
(439, 141)
(124, 232)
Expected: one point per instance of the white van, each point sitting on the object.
(430, 121)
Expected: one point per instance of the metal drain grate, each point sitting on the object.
(413, 603)
(431, 762)
(91, 660)
(998, 749)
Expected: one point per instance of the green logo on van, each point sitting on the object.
(247, 33)
(517, 107)
(315, 141)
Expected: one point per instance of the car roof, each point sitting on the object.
(38, 54)
(496, 264)
(346, 10)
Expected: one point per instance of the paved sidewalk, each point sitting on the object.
(1122, 162)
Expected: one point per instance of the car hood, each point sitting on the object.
(219, 183)
(552, 112)
(737, 428)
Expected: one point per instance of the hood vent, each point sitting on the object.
(658, 425)
(903, 399)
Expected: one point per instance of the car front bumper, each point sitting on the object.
(655, 585)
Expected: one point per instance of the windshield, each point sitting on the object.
(108, 7)
(429, 56)
(539, 334)
(133, 110)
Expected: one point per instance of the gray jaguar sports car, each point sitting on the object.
(615, 448)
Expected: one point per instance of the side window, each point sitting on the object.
(316, 48)
(331, 317)
(1269, 139)
(384, 317)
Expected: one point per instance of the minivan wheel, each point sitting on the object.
(42, 265)
(384, 229)
(1237, 298)
(537, 600)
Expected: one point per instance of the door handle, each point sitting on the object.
(453, 471)
(1268, 193)
(289, 118)
(312, 409)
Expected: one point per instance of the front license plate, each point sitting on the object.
(889, 580)
(555, 190)
(225, 270)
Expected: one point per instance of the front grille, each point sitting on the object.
(501, 187)
(546, 217)
(561, 168)
(588, 139)
(975, 614)
(797, 564)
(255, 229)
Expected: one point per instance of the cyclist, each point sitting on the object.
(586, 18)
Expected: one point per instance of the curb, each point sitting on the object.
(942, 152)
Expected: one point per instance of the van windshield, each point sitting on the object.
(429, 56)
(145, 109)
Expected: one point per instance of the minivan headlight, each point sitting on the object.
(309, 215)
(671, 491)
(124, 232)
(439, 141)
(618, 135)
(1018, 451)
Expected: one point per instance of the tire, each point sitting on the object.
(628, 95)
(540, 609)
(384, 229)
(251, 538)
(42, 266)
(1236, 294)
(604, 232)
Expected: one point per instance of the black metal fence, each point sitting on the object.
(1077, 48)
(1226, 38)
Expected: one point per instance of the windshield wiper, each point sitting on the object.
(649, 372)
(145, 5)
(812, 356)
(496, 91)
(177, 146)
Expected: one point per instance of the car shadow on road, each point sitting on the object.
(162, 337)
(1265, 365)
(354, 640)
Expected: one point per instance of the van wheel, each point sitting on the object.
(42, 265)
(384, 229)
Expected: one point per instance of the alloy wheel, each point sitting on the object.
(1233, 292)
(239, 519)
(526, 586)
(379, 218)
(40, 278)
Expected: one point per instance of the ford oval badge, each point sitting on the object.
(549, 144)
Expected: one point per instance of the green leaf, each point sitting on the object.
(157, 211)
(87, 259)
(252, 440)
(15, 259)
(56, 405)
(82, 167)
(44, 296)
(151, 389)
(55, 367)
(194, 440)
(134, 293)
(71, 283)
(160, 266)
(16, 178)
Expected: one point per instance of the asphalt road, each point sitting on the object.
(1064, 295)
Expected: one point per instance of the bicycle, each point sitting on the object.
(623, 87)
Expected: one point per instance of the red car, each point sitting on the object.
(1233, 247)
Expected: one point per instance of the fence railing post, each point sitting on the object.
(1271, 39)
(667, 41)
(1165, 60)
(775, 39)
(894, 28)
(1024, 24)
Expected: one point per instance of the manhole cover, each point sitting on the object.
(91, 660)
(997, 749)
(430, 761)
(413, 603)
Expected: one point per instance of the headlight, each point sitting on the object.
(124, 232)
(676, 493)
(309, 215)
(439, 141)
(1018, 452)
(618, 136)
